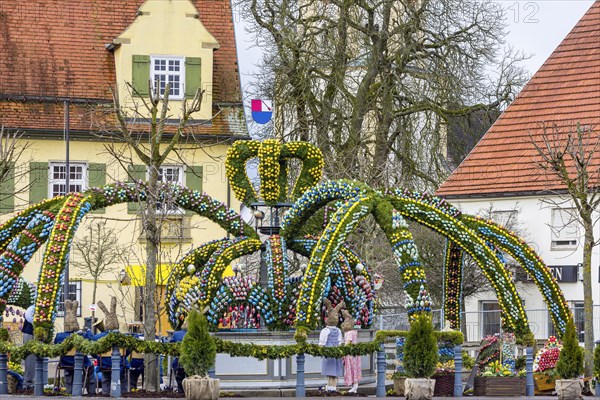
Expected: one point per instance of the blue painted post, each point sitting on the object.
(458, 388)
(115, 372)
(300, 386)
(78, 374)
(3, 373)
(529, 388)
(381, 372)
(38, 385)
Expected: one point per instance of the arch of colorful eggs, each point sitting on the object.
(317, 219)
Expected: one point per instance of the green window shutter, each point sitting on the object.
(137, 172)
(193, 180)
(7, 191)
(140, 74)
(97, 178)
(38, 181)
(192, 75)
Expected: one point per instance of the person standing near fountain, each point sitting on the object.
(331, 336)
(352, 364)
(27, 330)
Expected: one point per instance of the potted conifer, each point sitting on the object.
(197, 354)
(570, 365)
(420, 359)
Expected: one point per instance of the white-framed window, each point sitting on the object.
(74, 294)
(489, 318)
(506, 218)
(57, 181)
(168, 70)
(564, 226)
(170, 174)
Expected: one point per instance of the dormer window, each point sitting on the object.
(183, 73)
(168, 70)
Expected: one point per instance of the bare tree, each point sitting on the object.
(98, 253)
(569, 157)
(157, 142)
(12, 151)
(374, 84)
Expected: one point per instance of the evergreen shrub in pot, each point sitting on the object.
(570, 365)
(197, 354)
(420, 359)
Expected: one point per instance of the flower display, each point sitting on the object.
(496, 368)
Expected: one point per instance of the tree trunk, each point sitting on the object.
(151, 379)
(588, 304)
(94, 302)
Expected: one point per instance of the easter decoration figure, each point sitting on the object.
(352, 364)
(331, 336)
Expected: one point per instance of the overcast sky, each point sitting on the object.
(536, 27)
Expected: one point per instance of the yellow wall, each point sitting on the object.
(158, 30)
(211, 158)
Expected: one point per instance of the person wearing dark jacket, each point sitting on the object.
(27, 329)
(176, 367)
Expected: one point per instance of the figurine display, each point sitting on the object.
(352, 364)
(331, 336)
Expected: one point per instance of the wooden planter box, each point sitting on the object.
(542, 384)
(444, 385)
(499, 386)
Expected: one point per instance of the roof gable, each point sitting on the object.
(563, 92)
(58, 47)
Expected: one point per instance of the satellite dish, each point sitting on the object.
(246, 214)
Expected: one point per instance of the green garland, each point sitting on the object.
(260, 352)
(454, 337)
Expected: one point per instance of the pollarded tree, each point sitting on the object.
(148, 132)
(569, 156)
(374, 84)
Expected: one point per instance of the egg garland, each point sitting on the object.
(453, 273)
(341, 225)
(422, 303)
(333, 268)
(531, 262)
(491, 266)
(547, 357)
(272, 157)
(277, 273)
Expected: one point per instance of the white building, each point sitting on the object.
(502, 174)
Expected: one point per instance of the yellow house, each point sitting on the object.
(57, 80)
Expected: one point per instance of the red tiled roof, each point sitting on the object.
(563, 92)
(56, 48)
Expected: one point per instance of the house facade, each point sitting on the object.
(62, 64)
(501, 178)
